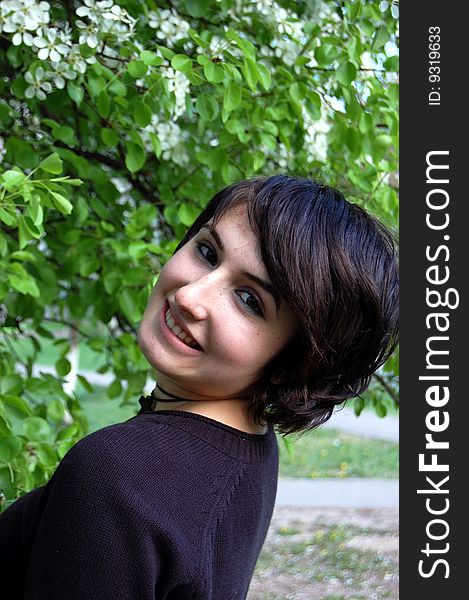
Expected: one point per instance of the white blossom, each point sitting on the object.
(93, 10)
(2, 148)
(89, 34)
(38, 87)
(315, 136)
(179, 85)
(172, 140)
(62, 71)
(171, 27)
(287, 50)
(50, 46)
(29, 13)
(21, 36)
(77, 62)
(394, 7)
(105, 20)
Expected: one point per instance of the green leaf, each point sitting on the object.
(3, 248)
(230, 173)
(313, 105)
(61, 203)
(110, 137)
(4, 112)
(75, 92)
(264, 76)
(250, 72)
(55, 410)
(137, 68)
(135, 157)
(23, 255)
(65, 134)
(380, 37)
(103, 104)
(138, 249)
(15, 55)
(268, 140)
(85, 383)
(10, 448)
(23, 235)
(115, 389)
(325, 54)
(197, 8)
(187, 213)
(11, 384)
(346, 73)
(63, 367)
(232, 97)
(20, 153)
(12, 179)
(118, 88)
(207, 107)
(7, 217)
(358, 406)
(88, 264)
(355, 9)
(128, 301)
(380, 409)
(95, 84)
(31, 228)
(36, 429)
(35, 211)
(213, 72)
(47, 455)
(19, 405)
(22, 281)
(52, 164)
(142, 114)
(298, 91)
(181, 62)
(365, 122)
(150, 58)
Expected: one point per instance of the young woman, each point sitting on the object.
(279, 304)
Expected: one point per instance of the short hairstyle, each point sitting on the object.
(336, 267)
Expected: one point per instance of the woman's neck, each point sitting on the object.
(232, 412)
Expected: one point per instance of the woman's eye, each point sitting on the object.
(251, 302)
(208, 253)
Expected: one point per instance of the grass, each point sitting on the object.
(330, 453)
(321, 453)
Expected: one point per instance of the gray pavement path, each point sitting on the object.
(338, 493)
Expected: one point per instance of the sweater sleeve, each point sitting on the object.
(93, 539)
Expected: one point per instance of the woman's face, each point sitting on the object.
(217, 290)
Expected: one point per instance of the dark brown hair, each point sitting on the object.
(336, 267)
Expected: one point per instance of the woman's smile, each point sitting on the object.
(175, 334)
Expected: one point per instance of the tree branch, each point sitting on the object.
(387, 387)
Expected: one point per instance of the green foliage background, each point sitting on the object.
(110, 152)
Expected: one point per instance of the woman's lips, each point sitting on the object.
(171, 337)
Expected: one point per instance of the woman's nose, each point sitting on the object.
(193, 300)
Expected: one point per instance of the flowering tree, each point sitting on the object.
(118, 121)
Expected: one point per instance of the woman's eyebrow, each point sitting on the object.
(269, 288)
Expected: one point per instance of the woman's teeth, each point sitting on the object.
(182, 335)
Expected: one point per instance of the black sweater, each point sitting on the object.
(167, 505)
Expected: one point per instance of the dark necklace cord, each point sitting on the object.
(172, 398)
(148, 403)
